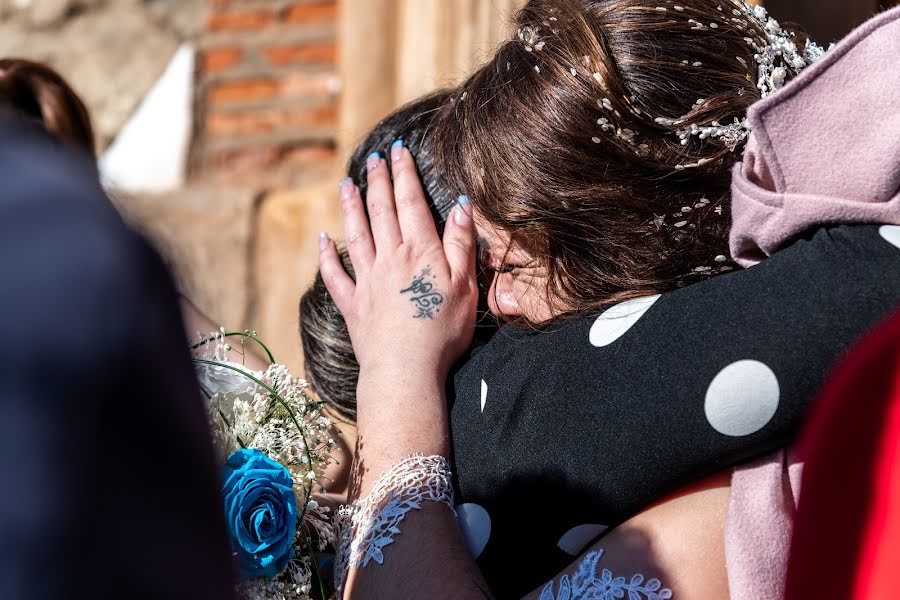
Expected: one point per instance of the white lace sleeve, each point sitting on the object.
(367, 526)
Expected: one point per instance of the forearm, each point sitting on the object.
(429, 558)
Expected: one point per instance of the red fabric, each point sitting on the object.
(846, 541)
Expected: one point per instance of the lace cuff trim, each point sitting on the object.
(588, 583)
(367, 526)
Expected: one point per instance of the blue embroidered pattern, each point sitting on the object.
(586, 585)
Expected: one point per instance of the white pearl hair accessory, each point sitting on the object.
(776, 57)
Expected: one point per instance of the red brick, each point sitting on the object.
(266, 120)
(323, 52)
(221, 58)
(237, 19)
(304, 85)
(265, 159)
(309, 153)
(245, 90)
(311, 13)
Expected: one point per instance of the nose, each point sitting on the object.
(502, 302)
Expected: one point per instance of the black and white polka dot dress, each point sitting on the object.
(561, 433)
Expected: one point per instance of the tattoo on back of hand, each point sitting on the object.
(424, 297)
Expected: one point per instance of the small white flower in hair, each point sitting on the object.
(530, 36)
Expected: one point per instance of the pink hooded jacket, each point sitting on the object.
(825, 149)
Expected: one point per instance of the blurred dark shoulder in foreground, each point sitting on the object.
(109, 486)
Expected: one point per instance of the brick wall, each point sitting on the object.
(267, 105)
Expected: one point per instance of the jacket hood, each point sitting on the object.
(825, 148)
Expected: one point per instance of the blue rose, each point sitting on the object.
(261, 509)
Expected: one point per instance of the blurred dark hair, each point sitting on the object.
(330, 364)
(411, 123)
(568, 139)
(37, 93)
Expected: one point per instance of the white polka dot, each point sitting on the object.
(483, 394)
(891, 233)
(742, 398)
(576, 539)
(617, 320)
(475, 523)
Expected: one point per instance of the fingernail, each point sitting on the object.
(462, 213)
(323, 240)
(373, 160)
(396, 147)
(346, 185)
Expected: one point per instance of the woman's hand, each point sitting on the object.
(410, 312)
(412, 306)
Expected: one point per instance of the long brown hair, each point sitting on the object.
(36, 92)
(566, 139)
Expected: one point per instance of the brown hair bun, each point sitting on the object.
(37, 92)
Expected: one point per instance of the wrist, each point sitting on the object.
(401, 374)
(399, 414)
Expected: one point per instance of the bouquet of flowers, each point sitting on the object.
(274, 444)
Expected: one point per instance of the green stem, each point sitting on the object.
(315, 564)
(242, 334)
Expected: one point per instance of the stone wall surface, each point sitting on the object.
(286, 258)
(242, 257)
(206, 236)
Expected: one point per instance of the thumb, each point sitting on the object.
(338, 283)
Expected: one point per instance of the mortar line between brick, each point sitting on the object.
(251, 282)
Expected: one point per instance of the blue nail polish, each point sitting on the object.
(374, 155)
(344, 182)
(397, 144)
(462, 200)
